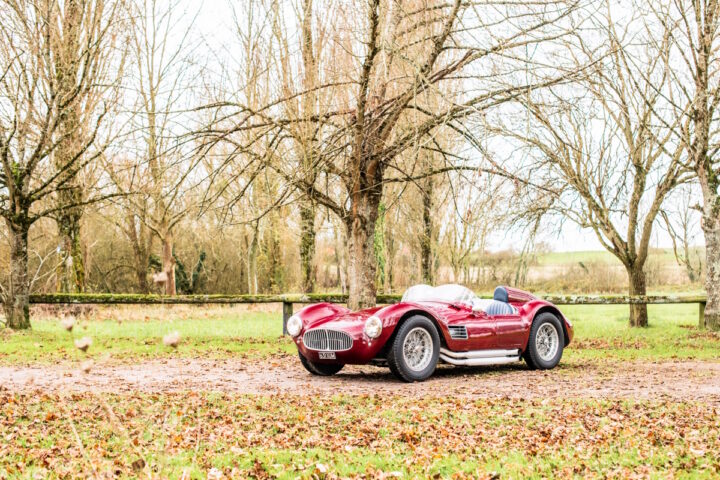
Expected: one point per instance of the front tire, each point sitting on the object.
(414, 353)
(321, 369)
(545, 342)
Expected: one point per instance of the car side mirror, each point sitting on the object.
(477, 307)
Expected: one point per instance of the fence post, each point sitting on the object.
(287, 313)
(701, 312)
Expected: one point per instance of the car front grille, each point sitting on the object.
(458, 332)
(329, 340)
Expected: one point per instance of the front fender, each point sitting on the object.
(317, 312)
(392, 315)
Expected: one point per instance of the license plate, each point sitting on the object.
(327, 355)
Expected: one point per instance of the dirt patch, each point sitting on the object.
(677, 381)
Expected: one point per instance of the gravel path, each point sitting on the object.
(673, 380)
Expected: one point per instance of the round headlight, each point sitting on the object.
(294, 325)
(373, 327)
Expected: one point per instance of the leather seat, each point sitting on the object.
(499, 308)
(500, 304)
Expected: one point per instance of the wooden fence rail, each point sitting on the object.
(288, 300)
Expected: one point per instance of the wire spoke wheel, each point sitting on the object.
(547, 341)
(418, 349)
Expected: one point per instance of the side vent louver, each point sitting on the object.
(458, 332)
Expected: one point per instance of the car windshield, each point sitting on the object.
(450, 293)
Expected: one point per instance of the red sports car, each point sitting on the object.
(447, 323)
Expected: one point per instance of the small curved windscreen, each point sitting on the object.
(450, 293)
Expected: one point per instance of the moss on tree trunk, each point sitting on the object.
(16, 302)
(712, 273)
(307, 245)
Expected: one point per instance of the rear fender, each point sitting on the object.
(536, 307)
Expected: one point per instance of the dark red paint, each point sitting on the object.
(484, 331)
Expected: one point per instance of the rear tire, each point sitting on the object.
(321, 369)
(414, 353)
(545, 342)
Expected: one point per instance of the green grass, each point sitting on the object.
(219, 335)
(601, 332)
(295, 436)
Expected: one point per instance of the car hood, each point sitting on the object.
(346, 321)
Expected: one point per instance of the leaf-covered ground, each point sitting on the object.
(636, 380)
(217, 393)
(195, 435)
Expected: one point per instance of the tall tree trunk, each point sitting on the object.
(379, 246)
(168, 263)
(362, 262)
(390, 261)
(638, 286)
(17, 300)
(339, 261)
(252, 260)
(711, 228)
(71, 268)
(141, 240)
(426, 253)
(307, 245)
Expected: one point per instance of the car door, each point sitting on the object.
(482, 330)
(469, 330)
(510, 331)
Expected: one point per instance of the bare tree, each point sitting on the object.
(600, 149)
(37, 98)
(379, 101)
(162, 74)
(303, 107)
(693, 27)
(471, 215)
(681, 224)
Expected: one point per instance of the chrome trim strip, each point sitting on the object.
(481, 353)
(458, 332)
(478, 361)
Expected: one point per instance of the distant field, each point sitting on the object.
(663, 256)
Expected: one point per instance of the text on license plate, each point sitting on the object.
(327, 355)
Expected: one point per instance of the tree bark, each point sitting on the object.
(638, 286)
(426, 253)
(252, 261)
(17, 299)
(307, 245)
(711, 228)
(362, 262)
(71, 268)
(390, 261)
(168, 261)
(142, 242)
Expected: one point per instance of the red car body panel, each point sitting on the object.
(484, 331)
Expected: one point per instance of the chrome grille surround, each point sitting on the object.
(458, 332)
(327, 340)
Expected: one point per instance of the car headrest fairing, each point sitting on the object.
(501, 295)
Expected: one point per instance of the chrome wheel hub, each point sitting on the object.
(418, 349)
(547, 341)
